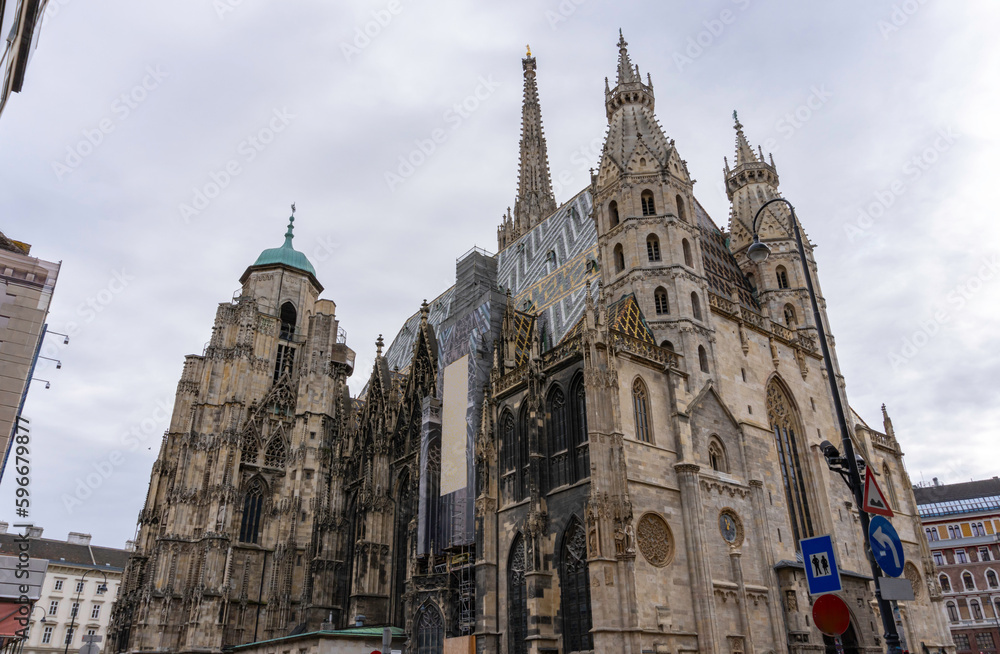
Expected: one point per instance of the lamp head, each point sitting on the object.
(829, 450)
(757, 251)
(48, 385)
(102, 588)
(58, 365)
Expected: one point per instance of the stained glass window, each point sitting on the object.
(575, 581)
(784, 423)
(517, 600)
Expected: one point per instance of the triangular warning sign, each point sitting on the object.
(875, 501)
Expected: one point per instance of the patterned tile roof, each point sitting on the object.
(626, 317)
(723, 272)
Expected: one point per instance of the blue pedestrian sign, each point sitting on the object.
(886, 546)
(822, 573)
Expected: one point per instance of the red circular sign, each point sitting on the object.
(831, 615)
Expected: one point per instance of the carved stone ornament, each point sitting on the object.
(910, 572)
(731, 527)
(655, 540)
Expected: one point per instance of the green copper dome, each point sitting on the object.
(286, 255)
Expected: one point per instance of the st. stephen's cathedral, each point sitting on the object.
(603, 438)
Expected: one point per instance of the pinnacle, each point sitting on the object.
(744, 153)
(535, 199)
(626, 72)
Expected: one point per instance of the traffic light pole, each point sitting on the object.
(854, 474)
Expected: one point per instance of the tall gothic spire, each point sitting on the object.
(744, 153)
(534, 200)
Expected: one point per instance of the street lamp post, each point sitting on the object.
(72, 625)
(758, 252)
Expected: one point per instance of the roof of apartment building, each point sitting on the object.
(966, 497)
(75, 550)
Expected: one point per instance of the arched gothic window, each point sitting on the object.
(648, 207)
(274, 457)
(662, 301)
(253, 505)
(653, 247)
(640, 407)
(508, 443)
(680, 208)
(401, 547)
(250, 449)
(288, 318)
(790, 320)
(782, 276)
(952, 612)
(557, 429)
(945, 583)
(887, 476)
(619, 258)
(717, 456)
(688, 259)
(667, 345)
(579, 440)
(613, 213)
(517, 599)
(977, 611)
(695, 306)
(967, 579)
(785, 423)
(702, 358)
(991, 579)
(574, 580)
(430, 631)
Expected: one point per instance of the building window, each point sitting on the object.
(574, 580)
(784, 422)
(430, 631)
(932, 534)
(613, 213)
(619, 258)
(523, 453)
(95, 613)
(954, 531)
(550, 257)
(960, 556)
(945, 583)
(578, 439)
(977, 611)
(288, 318)
(887, 475)
(653, 247)
(938, 558)
(274, 457)
(556, 429)
(648, 207)
(79, 586)
(703, 358)
(253, 503)
(680, 208)
(667, 345)
(661, 301)
(991, 579)
(968, 581)
(717, 456)
(952, 612)
(688, 259)
(58, 585)
(695, 306)
(46, 635)
(250, 448)
(508, 443)
(69, 635)
(53, 607)
(74, 609)
(961, 640)
(978, 529)
(640, 409)
(984, 640)
(782, 275)
(284, 361)
(790, 320)
(91, 632)
(517, 599)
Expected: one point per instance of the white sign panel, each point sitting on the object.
(454, 426)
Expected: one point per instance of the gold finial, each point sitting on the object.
(529, 50)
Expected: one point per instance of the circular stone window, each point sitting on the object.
(655, 540)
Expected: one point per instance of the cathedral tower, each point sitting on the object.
(534, 200)
(647, 219)
(238, 540)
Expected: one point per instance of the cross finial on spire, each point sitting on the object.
(378, 345)
(626, 71)
(529, 50)
(291, 225)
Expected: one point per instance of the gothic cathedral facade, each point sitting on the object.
(603, 438)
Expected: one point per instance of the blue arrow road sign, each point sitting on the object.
(822, 573)
(886, 546)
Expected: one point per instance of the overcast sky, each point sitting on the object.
(881, 117)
